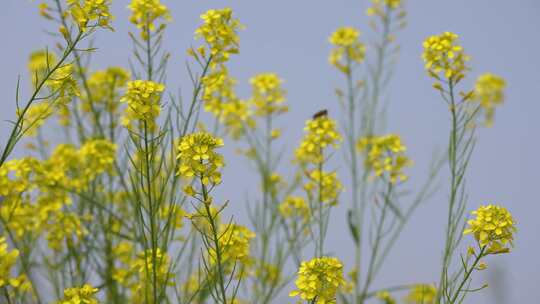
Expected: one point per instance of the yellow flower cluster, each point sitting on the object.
(145, 14)
(492, 228)
(323, 186)
(234, 241)
(90, 13)
(348, 49)
(385, 154)
(64, 87)
(221, 100)
(319, 279)
(85, 294)
(197, 157)
(7, 260)
(321, 132)
(422, 294)
(220, 32)
(295, 207)
(380, 7)
(35, 117)
(65, 228)
(144, 267)
(104, 86)
(268, 96)
(489, 93)
(442, 54)
(385, 297)
(39, 64)
(143, 100)
(29, 212)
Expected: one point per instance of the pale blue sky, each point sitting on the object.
(290, 38)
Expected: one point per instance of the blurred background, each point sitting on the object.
(290, 39)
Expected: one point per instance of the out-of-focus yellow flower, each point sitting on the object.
(220, 32)
(321, 132)
(422, 294)
(40, 63)
(197, 157)
(65, 228)
(143, 100)
(323, 187)
(295, 207)
(442, 54)
(97, 156)
(85, 294)
(385, 154)
(489, 93)
(348, 49)
(90, 13)
(234, 242)
(146, 14)
(382, 7)
(268, 95)
(385, 297)
(493, 227)
(7, 261)
(104, 86)
(320, 279)
(35, 117)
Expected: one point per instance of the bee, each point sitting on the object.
(321, 113)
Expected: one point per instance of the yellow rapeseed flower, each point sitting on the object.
(143, 100)
(7, 260)
(324, 187)
(234, 242)
(146, 14)
(385, 297)
(385, 154)
(321, 132)
(320, 279)
(197, 157)
(422, 294)
(104, 85)
(492, 228)
(442, 54)
(295, 207)
(90, 13)
(268, 95)
(489, 93)
(40, 63)
(220, 32)
(85, 294)
(348, 50)
(380, 7)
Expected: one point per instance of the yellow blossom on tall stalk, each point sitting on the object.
(104, 85)
(348, 49)
(422, 294)
(382, 7)
(323, 187)
(65, 229)
(197, 157)
(321, 132)
(319, 280)
(295, 207)
(35, 117)
(489, 93)
(143, 103)
(443, 56)
(97, 156)
(91, 13)
(493, 228)
(147, 14)
(85, 294)
(268, 95)
(144, 267)
(40, 63)
(385, 154)
(220, 32)
(234, 241)
(385, 297)
(8, 259)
